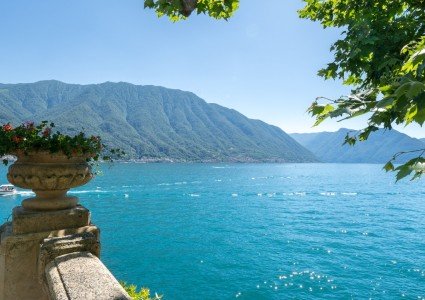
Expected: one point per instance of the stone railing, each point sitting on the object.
(81, 275)
(54, 255)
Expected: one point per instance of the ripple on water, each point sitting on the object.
(89, 192)
(307, 280)
(194, 195)
(328, 194)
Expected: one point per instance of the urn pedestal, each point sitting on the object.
(50, 176)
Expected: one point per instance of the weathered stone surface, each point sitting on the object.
(19, 254)
(82, 275)
(20, 245)
(54, 284)
(57, 246)
(50, 176)
(5, 230)
(25, 221)
(17, 258)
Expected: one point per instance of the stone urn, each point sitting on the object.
(50, 176)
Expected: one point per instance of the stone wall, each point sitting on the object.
(53, 255)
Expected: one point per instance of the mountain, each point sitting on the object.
(151, 122)
(379, 148)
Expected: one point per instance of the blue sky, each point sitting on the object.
(262, 62)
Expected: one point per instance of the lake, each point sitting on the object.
(258, 231)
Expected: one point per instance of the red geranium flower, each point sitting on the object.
(16, 139)
(7, 127)
(47, 132)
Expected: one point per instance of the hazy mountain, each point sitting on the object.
(379, 148)
(151, 122)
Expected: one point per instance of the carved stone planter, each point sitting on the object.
(50, 176)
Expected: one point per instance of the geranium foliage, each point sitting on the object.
(30, 137)
(381, 55)
(181, 9)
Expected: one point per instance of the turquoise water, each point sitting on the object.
(259, 231)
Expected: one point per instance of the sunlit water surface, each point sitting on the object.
(259, 231)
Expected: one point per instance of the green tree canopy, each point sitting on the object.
(381, 55)
(181, 9)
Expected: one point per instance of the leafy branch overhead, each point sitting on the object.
(381, 55)
(181, 9)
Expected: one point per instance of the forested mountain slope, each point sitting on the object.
(150, 122)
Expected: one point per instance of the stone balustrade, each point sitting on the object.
(81, 275)
(54, 255)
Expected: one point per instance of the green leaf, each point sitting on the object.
(149, 4)
(386, 88)
(415, 89)
(385, 102)
(403, 171)
(350, 140)
(420, 117)
(411, 113)
(402, 89)
(389, 166)
(417, 175)
(328, 108)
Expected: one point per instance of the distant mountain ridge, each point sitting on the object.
(150, 122)
(379, 148)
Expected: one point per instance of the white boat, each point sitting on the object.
(7, 189)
